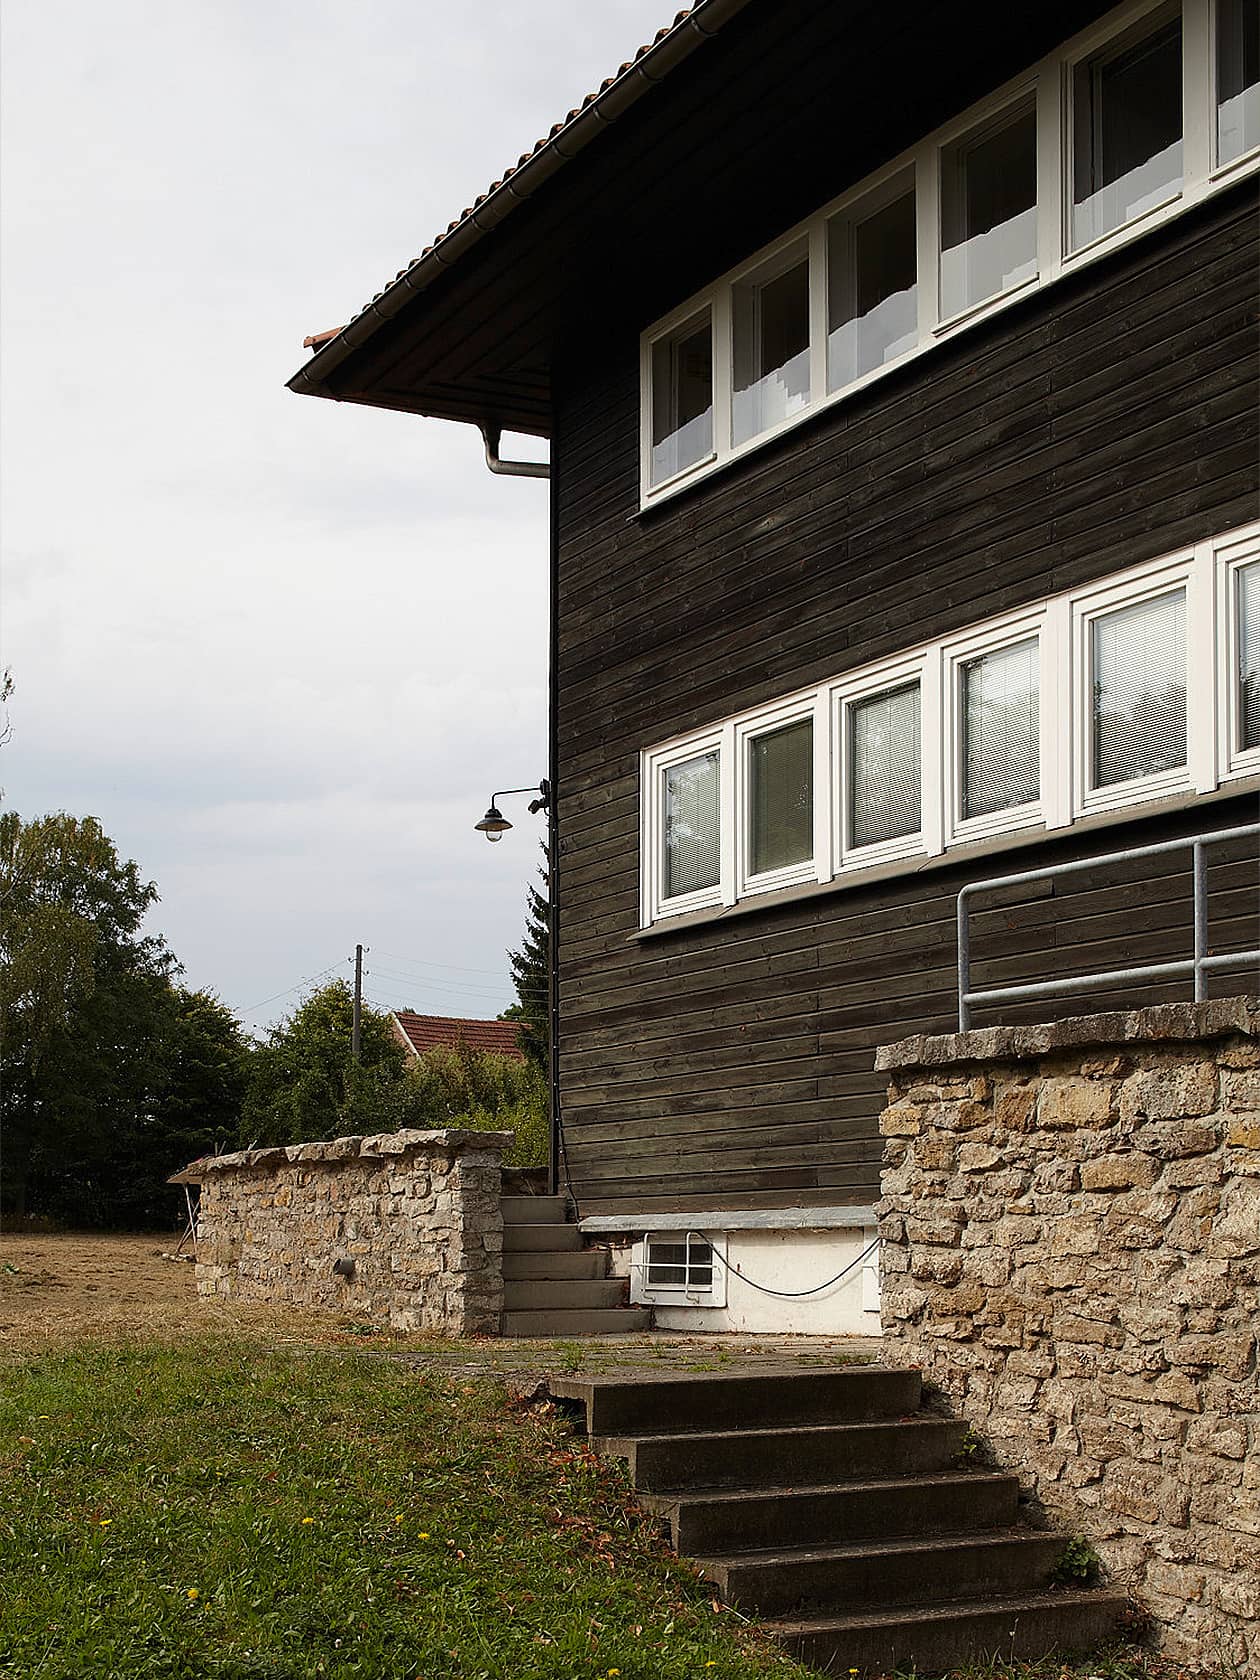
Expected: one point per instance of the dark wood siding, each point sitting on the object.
(1101, 423)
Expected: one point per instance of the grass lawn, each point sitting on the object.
(218, 1511)
(215, 1509)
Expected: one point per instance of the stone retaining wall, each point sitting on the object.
(1071, 1251)
(405, 1227)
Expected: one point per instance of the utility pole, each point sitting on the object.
(355, 1034)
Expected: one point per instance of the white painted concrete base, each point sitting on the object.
(787, 1261)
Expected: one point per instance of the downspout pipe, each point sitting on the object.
(510, 469)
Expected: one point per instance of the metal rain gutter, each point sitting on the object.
(510, 469)
(604, 109)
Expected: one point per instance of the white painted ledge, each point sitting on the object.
(755, 1219)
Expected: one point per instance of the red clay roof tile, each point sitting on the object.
(434, 1032)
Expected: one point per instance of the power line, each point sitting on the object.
(423, 962)
(309, 980)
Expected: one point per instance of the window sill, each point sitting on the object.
(906, 867)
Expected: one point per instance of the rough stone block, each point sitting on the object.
(1118, 1172)
(1072, 1104)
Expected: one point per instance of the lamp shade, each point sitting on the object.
(494, 824)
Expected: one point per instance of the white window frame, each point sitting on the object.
(674, 323)
(875, 194)
(1089, 45)
(1050, 84)
(681, 1294)
(809, 707)
(1166, 577)
(1062, 625)
(869, 685)
(795, 251)
(1009, 632)
(1231, 558)
(987, 116)
(1244, 160)
(653, 770)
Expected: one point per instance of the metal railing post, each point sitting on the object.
(964, 962)
(1199, 966)
(1200, 920)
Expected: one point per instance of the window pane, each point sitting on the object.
(1139, 676)
(874, 296)
(884, 776)
(1237, 78)
(989, 212)
(1001, 754)
(1249, 656)
(691, 825)
(1126, 131)
(781, 797)
(682, 399)
(771, 323)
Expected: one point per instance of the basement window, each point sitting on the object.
(678, 1268)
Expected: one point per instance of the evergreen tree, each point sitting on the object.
(531, 970)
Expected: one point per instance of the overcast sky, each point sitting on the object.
(282, 648)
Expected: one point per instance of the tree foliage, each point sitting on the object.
(304, 1083)
(111, 1075)
(483, 1092)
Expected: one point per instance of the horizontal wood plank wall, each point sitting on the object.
(1101, 423)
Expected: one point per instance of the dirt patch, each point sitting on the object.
(58, 1288)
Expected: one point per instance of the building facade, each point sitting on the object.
(901, 383)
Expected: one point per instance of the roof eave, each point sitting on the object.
(570, 137)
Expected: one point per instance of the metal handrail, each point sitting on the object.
(1200, 965)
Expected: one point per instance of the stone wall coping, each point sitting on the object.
(1164, 1024)
(336, 1151)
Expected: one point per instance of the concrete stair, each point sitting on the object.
(828, 1504)
(552, 1286)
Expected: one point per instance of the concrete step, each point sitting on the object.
(852, 1394)
(847, 1579)
(584, 1263)
(791, 1456)
(604, 1321)
(703, 1524)
(550, 1294)
(933, 1637)
(534, 1210)
(541, 1239)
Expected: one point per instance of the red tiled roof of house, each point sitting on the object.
(443, 1032)
(702, 19)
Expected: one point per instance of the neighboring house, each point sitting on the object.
(419, 1033)
(899, 366)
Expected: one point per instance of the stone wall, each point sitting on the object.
(405, 1227)
(1071, 1251)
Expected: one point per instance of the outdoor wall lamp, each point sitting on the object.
(494, 825)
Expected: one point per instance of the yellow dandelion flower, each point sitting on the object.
(194, 1592)
(422, 1535)
(106, 1522)
(306, 1520)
